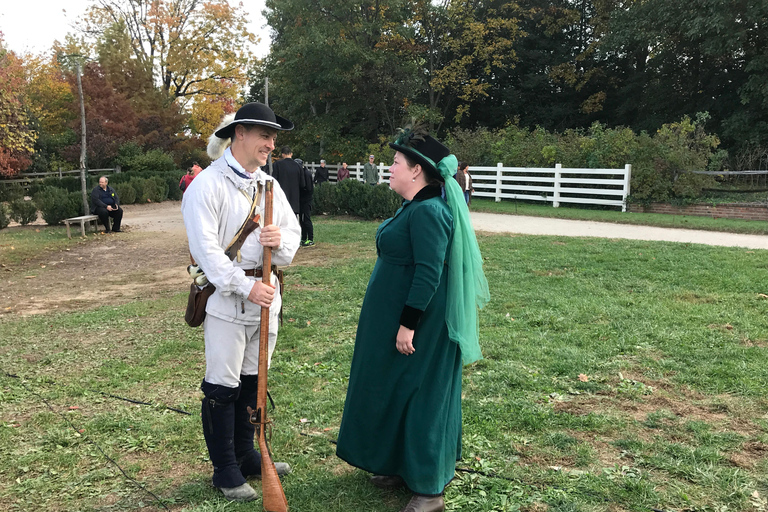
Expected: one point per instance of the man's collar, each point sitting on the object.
(235, 166)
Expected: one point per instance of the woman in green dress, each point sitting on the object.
(402, 416)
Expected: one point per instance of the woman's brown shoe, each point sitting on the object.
(387, 482)
(425, 504)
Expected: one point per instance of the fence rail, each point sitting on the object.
(27, 177)
(606, 187)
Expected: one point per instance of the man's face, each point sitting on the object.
(255, 144)
(370, 159)
(103, 183)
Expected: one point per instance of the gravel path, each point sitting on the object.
(497, 223)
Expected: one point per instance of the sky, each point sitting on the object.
(31, 26)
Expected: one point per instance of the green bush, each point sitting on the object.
(383, 202)
(352, 196)
(662, 163)
(132, 159)
(325, 198)
(174, 191)
(151, 190)
(11, 191)
(125, 192)
(4, 218)
(23, 212)
(56, 204)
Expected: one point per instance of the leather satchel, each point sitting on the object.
(198, 298)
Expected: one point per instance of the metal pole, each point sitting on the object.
(82, 140)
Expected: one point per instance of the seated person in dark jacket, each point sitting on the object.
(105, 203)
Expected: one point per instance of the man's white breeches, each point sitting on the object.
(232, 350)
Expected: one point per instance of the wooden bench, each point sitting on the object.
(82, 220)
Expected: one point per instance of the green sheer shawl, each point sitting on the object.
(467, 285)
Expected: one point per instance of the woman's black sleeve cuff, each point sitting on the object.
(410, 317)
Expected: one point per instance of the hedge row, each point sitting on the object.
(60, 198)
(662, 162)
(352, 197)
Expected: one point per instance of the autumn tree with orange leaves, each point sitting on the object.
(17, 139)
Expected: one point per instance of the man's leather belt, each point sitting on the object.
(256, 272)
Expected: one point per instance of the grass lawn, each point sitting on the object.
(618, 376)
(752, 227)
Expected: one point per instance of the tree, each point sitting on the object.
(331, 72)
(50, 99)
(463, 44)
(189, 46)
(683, 57)
(17, 139)
(110, 119)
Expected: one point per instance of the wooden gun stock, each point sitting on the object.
(273, 497)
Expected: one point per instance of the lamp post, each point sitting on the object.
(77, 59)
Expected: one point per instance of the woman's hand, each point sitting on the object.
(405, 341)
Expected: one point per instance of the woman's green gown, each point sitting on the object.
(402, 414)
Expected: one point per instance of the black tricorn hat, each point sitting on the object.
(254, 113)
(417, 146)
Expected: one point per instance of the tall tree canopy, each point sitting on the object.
(189, 46)
(17, 138)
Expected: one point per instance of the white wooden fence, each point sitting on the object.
(608, 187)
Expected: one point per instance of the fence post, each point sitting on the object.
(59, 172)
(118, 169)
(556, 193)
(499, 175)
(627, 180)
(357, 171)
(380, 173)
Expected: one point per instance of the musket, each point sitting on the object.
(273, 497)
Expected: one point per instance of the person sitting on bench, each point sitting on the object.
(105, 203)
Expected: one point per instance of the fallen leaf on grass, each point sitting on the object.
(762, 296)
(583, 378)
(29, 277)
(304, 420)
(73, 407)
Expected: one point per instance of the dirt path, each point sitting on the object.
(147, 260)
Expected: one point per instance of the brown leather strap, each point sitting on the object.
(256, 272)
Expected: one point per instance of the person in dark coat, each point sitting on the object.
(305, 207)
(321, 173)
(290, 175)
(105, 203)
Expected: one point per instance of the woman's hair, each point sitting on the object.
(463, 165)
(431, 180)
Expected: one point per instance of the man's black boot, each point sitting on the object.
(218, 416)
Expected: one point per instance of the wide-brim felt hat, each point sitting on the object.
(254, 113)
(417, 147)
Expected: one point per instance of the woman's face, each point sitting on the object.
(401, 176)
